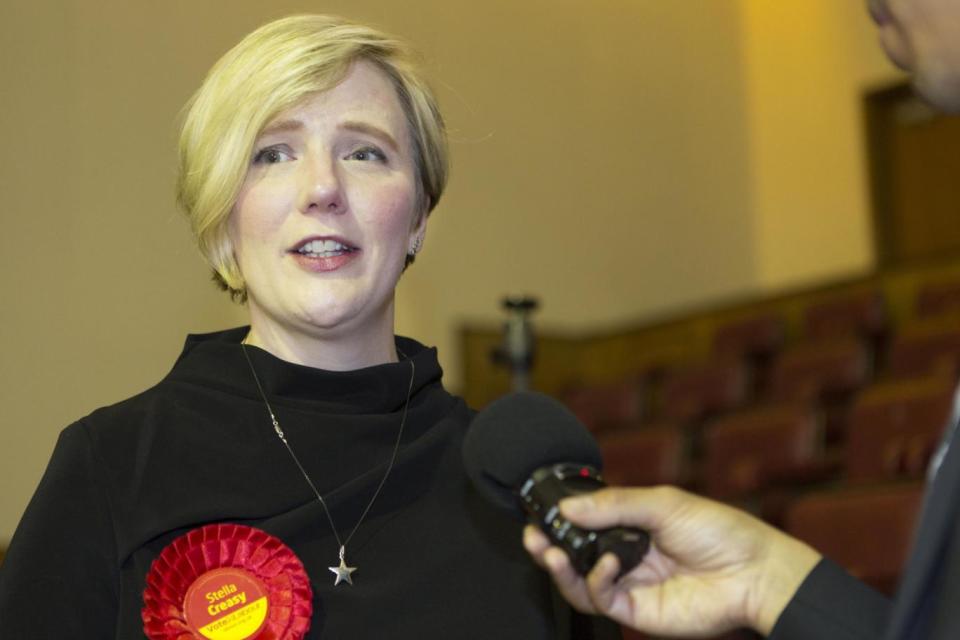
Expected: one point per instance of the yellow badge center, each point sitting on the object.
(239, 624)
(228, 603)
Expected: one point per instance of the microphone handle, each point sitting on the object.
(629, 545)
(540, 496)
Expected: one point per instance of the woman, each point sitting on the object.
(310, 160)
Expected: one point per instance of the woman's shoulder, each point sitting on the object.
(129, 412)
(190, 382)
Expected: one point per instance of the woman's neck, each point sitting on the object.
(333, 353)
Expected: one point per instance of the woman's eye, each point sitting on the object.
(366, 154)
(271, 155)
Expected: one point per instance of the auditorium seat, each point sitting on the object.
(754, 339)
(822, 369)
(748, 451)
(931, 345)
(645, 455)
(935, 298)
(894, 427)
(607, 406)
(856, 313)
(705, 389)
(865, 530)
(749, 337)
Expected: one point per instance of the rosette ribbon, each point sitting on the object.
(227, 582)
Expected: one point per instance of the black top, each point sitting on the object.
(434, 561)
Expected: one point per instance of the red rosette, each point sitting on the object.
(227, 582)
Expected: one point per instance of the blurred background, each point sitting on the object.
(628, 162)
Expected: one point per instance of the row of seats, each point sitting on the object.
(828, 370)
(827, 436)
(891, 432)
(823, 413)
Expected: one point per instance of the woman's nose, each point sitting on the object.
(321, 191)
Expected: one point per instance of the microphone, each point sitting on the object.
(525, 452)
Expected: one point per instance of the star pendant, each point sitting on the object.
(343, 571)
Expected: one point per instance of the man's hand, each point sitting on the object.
(710, 567)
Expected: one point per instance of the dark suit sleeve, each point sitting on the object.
(594, 628)
(59, 578)
(832, 604)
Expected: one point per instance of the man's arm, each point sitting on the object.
(710, 568)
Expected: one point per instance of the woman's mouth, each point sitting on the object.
(323, 254)
(324, 249)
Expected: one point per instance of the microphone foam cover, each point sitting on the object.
(517, 434)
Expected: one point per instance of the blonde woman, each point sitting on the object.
(310, 160)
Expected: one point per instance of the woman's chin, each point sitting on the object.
(345, 318)
(326, 321)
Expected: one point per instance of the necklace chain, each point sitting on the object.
(393, 458)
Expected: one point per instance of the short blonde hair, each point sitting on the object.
(267, 72)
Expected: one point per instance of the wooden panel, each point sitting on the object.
(565, 360)
(915, 161)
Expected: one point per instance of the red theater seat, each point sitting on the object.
(859, 313)
(648, 455)
(607, 406)
(815, 370)
(751, 450)
(935, 298)
(867, 531)
(895, 427)
(753, 336)
(925, 347)
(705, 389)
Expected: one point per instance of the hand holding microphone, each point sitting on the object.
(709, 568)
(527, 451)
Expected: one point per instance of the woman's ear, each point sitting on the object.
(417, 234)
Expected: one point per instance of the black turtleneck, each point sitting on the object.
(434, 561)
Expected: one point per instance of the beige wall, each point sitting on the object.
(807, 63)
(600, 161)
(619, 158)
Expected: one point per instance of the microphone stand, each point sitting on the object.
(518, 348)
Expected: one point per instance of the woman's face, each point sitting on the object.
(327, 211)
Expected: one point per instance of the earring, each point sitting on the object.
(417, 243)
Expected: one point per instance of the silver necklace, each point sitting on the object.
(342, 571)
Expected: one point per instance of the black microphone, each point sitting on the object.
(525, 452)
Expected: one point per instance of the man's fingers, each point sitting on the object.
(601, 582)
(568, 581)
(643, 508)
(557, 564)
(535, 543)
